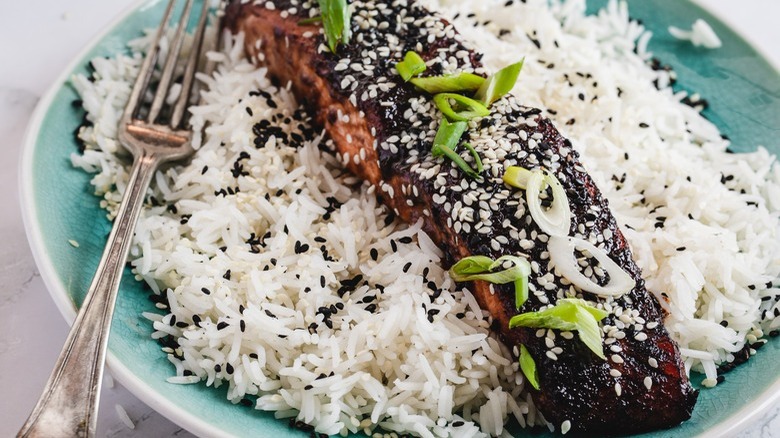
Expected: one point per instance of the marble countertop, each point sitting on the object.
(32, 329)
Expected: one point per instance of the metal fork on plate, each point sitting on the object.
(68, 406)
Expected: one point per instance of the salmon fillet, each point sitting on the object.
(383, 131)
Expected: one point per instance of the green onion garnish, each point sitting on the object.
(528, 366)
(469, 108)
(446, 142)
(411, 66)
(336, 21)
(312, 20)
(458, 160)
(499, 84)
(475, 155)
(448, 135)
(557, 219)
(481, 268)
(450, 83)
(517, 176)
(570, 314)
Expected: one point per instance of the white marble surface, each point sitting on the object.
(31, 328)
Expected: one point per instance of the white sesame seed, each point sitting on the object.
(653, 363)
(565, 427)
(648, 383)
(616, 358)
(618, 389)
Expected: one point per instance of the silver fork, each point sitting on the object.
(69, 404)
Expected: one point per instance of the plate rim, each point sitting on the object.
(54, 286)
(743, 417)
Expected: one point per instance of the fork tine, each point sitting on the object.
(147, 68)
(170, 64)
(189, 71)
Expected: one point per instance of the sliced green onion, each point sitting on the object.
(336, 21)
(450, 83)
(517, 176)
(458, 160)
(475, 155)
(411, 66)
(499, 84)
(570, 314)
(312, 20)
(481, 268)
(446, 141)
(528, 366)
(448, 134)
(470, 107)
(557, 219)
(564, 261)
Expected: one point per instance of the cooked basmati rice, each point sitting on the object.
(283, 278)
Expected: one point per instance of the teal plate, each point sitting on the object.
(744, 94)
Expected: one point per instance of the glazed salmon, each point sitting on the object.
(383, 130)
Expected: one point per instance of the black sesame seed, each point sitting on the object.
(374, 254)
(205, 291)
(222, 325)
(405, 240)
(229, 368)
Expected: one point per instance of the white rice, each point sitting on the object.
(701, 34)
(401, 368)
(123, 417)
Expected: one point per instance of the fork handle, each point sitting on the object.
(69, 403)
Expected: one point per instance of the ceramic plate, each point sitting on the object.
(744, 94)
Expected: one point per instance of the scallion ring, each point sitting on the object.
(562, 257)
(557, 219)
(469, 108)
(411, 66)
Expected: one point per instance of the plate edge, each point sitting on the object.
(745, 416)
(30, 215)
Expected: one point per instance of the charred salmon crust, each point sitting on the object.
(383, 129)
